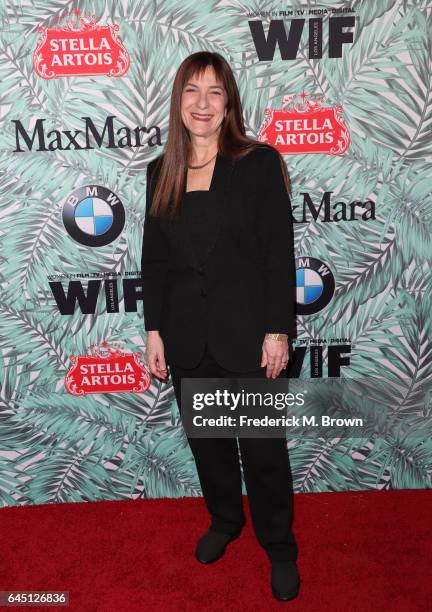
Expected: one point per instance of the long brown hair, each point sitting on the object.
(232, 141)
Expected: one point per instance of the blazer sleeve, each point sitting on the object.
(276, 226)
(154, 261)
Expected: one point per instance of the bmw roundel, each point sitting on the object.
(315, 285)
(93, 215)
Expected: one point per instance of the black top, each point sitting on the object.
(199, 213)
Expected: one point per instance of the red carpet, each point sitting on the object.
(357, 551)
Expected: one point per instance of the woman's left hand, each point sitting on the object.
(274, 356)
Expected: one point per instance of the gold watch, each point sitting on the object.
(278, 337)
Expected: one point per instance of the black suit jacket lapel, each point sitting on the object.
(219, 189)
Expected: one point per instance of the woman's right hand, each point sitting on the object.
(155, 355)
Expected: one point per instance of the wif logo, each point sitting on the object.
(288, 42)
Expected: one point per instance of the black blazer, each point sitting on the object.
(246, 286)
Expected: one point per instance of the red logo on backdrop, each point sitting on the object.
(81, 47)
(107, 370)
(305, 127)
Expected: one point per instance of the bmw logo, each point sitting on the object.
(315, 285)
(93, 215)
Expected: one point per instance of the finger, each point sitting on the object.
(152, 364)
(277, 368)
(270, 368)
(162, 363)
(162, 374)
(271, 373)
(264, 358)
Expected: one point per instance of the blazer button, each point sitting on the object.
(203, 293)
(200, 271)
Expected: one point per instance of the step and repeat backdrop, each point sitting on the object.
(343, 90)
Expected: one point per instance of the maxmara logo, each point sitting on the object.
(90, 137)
(305, 126)
(287, 36)
(80, 46)
(327, 211)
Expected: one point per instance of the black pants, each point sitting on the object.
(266, 471)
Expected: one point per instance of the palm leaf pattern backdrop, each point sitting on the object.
(55, 447)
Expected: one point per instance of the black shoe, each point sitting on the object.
(285, 580)
(211, 546)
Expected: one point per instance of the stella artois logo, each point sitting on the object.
(305, 127)
(106, 369)
(80, 46)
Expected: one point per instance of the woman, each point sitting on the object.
(218, 275)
